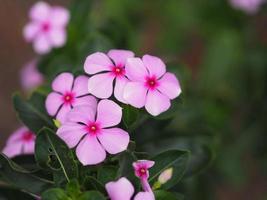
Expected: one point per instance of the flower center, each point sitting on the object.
(151, 82)
(27, 136)
(45, 27)
(68, 98)
(118, 70)
(142, 171)
(92, 128)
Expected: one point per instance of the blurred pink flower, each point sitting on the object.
(68, 93)
(47, 28)
(249, 6)
(30, 77)
(20, 142)
(90, 127)
(111, 66)
(123, 189)
(150, 85)
(141, 168)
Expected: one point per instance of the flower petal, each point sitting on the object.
(155, 65)
(17, 135)
(59, 16)
(13, 150)
(114, 140)
(144, 196)
(169, 85)
(57, 37)
(135, 94)
(97, 62)
(100, 85)
(89, 151)
(86, 100)
(120, 56)
(53, 102)
(157, 103)
(63, 82)
(42, 44)
(121, 189)
(40, 11)
(30, 31)
(80, 86)
(28, 147)
(82, 114)
(135, 69)
(71, 133)
(108, 113)
(119, 88)
(62, 113)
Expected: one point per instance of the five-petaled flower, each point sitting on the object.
(150, 85)
(111, 66)
(20, 142)
(93, 131)
(68, 93)
(47, 28)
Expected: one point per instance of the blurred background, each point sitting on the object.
(217, 48)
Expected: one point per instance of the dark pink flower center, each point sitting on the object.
(93, 128)
(118, 70)
(151, 82)
(142, 171)
(68, 98)
(27, 136)
(46, 27)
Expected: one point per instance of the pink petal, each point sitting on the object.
(13, 150)
(135, 69)
(169, 86)
(59, 16)
(30, 31)
(90, 152)
(108, 113)
(121, 189)
(71, 133)
(144, 196)
(143, 163)
(28, 147)
(100, 85)
(86, 100)
(155, 65)
(82, 113)
(17, 135)
(80, 86)
(53, 102)
(40, 11)
(119, 88)
(97, 62)
(57, 37)
(135, 94)
(114, 140)
(157, 103)
(42, 44)
(61, 116)
(120, 56)
(63, 82)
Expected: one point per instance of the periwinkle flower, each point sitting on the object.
(249, 6)
(47, 28)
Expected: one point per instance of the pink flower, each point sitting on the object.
(249, 6)
(150, 85)
(47, 28)
(30, 77)
(111, 66)
(20, 142)
(67, 94)
(123, 189)
(90, 129)
(141, 168)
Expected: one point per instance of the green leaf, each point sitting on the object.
(164, 195)
(32, 112)
(92, 183)
(130, 115)
(175, 159)
(73, 189)
(21, 178)
(106, 174)
(55, 194)
(51, 152)
(92, 195)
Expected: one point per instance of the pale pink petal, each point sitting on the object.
(82, 113)
(114, 140)
(100, 85)
(121, 189)
(40, 11)
(157, 103)
(28, 147)
(57, 37)
(63, 82)
(155, 65)
(108, 113)
(30, 31)
(42, 44)
(53, 102)
(61, 116)
(119, 88)
(86, 100)
(143, 163)
(89, 151)
(120, 56)
(169, 85)
(17, 135)
(135, 69)
(11, 150)
(97, 62)
(144, 196)
(135, 94)
(80, 86)
(71, 133)
(59, 16)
